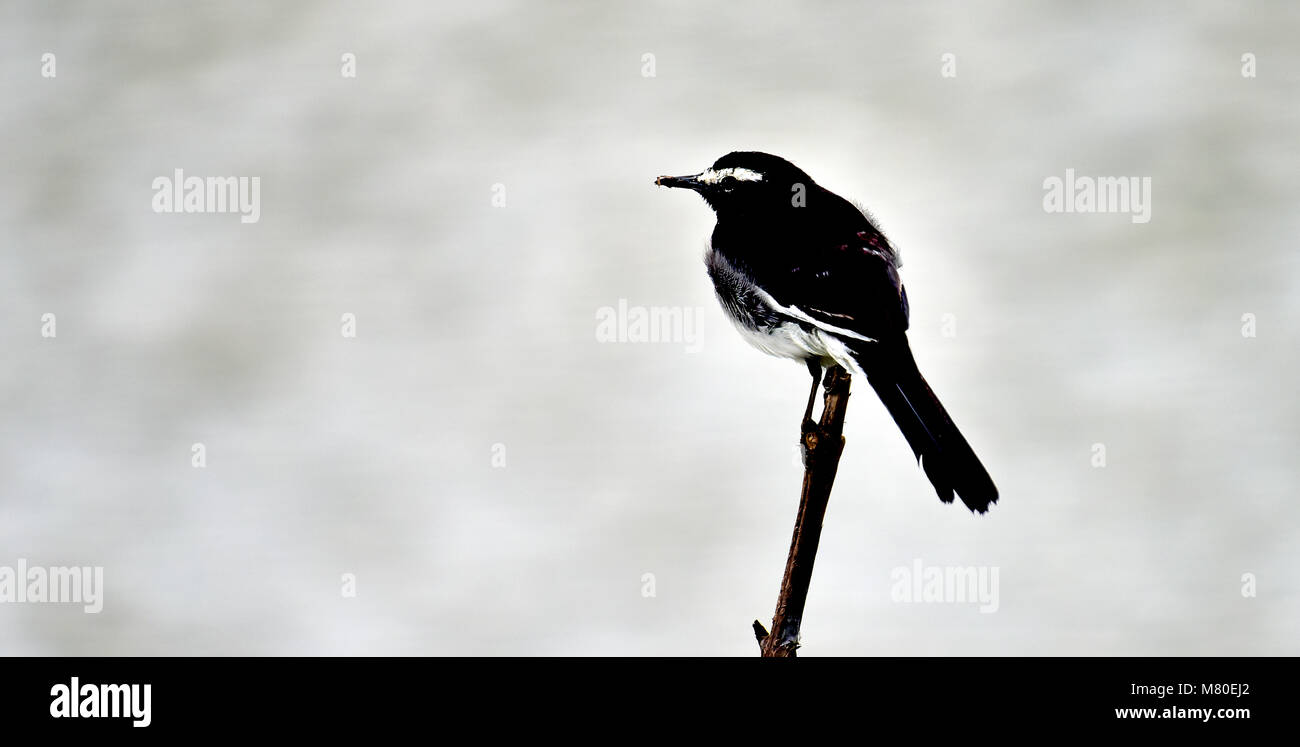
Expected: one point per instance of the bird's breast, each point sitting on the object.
(761, 325)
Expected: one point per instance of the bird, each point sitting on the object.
(806, 274)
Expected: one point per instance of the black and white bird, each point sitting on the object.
(805, 274)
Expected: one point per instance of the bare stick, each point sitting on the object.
(822, 444)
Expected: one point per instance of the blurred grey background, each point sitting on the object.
(497, 480)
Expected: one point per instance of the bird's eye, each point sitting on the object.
(728, 180)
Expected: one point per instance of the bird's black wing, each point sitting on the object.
(846, 278)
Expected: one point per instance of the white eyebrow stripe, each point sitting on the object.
(745, 175)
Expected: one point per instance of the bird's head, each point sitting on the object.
(745, 181)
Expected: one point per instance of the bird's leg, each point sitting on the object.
(814, 368)
(809, 426)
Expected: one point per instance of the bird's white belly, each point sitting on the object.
(756, 315)
(792, 341)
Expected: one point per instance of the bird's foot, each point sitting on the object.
(809, 435)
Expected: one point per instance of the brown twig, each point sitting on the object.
(822, 445)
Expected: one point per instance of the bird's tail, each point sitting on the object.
(947, 459)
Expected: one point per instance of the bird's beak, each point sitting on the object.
(686, 182)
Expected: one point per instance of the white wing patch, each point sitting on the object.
(799, 314)
(745, 175)
(788, 339)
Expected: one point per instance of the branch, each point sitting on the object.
(822, 445)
